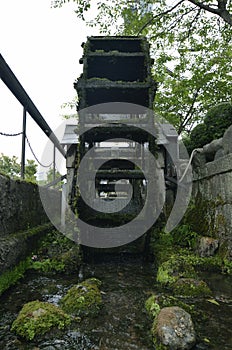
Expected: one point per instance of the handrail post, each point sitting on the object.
(23, 143)
(54, 162)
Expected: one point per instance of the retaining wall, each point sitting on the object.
(22, 219)
(212, 190)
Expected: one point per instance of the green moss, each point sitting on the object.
(189, 287)
(152, 306)
(10, 277)
(213, 263)
(37, 318)
(184, 236)
(202, 218)
(83, 299)
(68, 262)
(161, 246)
(158, 345)
(164, 300)
(173, 269)
(48, 266)
(227, 266)
(57, 253)
(40, 230)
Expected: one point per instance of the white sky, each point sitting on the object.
(42, 47)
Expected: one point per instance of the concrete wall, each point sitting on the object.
(212, 190)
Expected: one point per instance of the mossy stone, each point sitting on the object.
(83, 299)
(190, 287)
(173, 269)
(38, 318)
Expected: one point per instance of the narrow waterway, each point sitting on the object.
(122, 323)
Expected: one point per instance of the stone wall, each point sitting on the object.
(23, 220)
(212, 190)
(20, 205)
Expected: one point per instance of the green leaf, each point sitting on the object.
(213, 301)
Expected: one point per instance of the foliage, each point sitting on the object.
(217, 120)
(227, 266)
(191, 45)
(152, 306)
(37, 318)
(184, 236)
(48, 265)
(215, 123)
(69, 107)
(49, 178)
(164, 300)
(56, 253)
(10, 166)
(83, 298)
(30, 170)
(197, 138)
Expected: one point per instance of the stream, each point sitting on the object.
(122, 323)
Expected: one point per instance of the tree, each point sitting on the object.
(9, 166)
(221, 8)
(69, 107)
(30, 170)
(216, 121)
(190, 42)
(50, 176)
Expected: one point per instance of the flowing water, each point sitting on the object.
(122, 323)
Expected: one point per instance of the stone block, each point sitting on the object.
(227, 140)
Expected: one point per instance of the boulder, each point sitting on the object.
(173, 328)
(83, 299)
(191, 287)
(37, 318)
(207, 246)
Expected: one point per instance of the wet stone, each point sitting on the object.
(174, 329)
(207, 246)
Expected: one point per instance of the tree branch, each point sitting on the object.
(159, 15)
(189, 113)
(221, 10)
(194, 21)
(205, 7)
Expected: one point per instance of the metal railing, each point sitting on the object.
(18, 91)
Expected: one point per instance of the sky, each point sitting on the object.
(42, 46)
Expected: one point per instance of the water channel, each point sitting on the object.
(122, 323)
